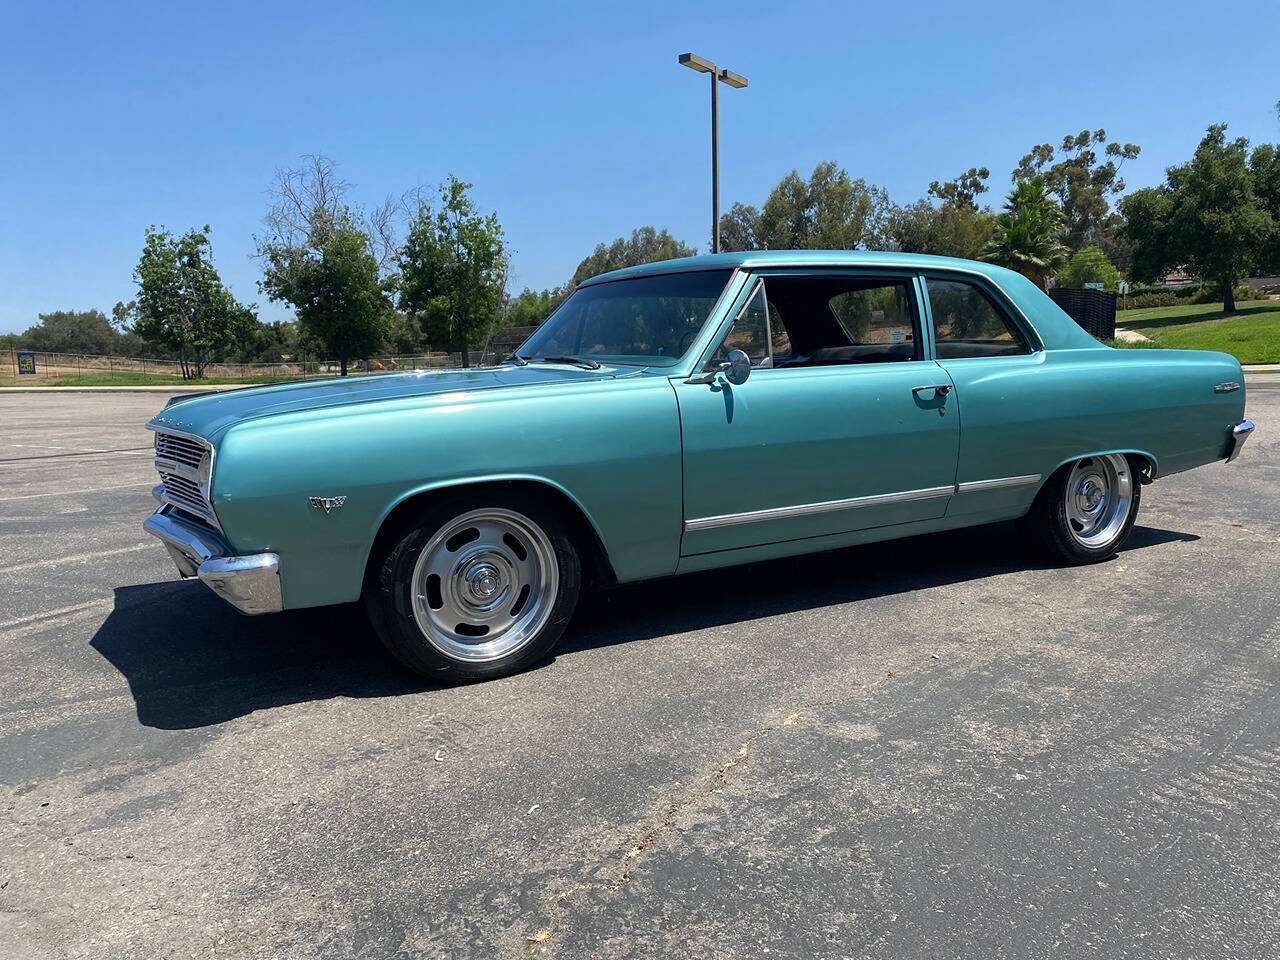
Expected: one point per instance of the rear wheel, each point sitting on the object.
(474, 587)
(1085, 511)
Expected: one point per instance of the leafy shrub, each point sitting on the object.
(1212, 293)
(1089, 265)
(1145, 301)
(1144, 298)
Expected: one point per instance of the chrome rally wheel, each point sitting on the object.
(474, 584)
(1084, 513)
(1098, 498)
(484, 585)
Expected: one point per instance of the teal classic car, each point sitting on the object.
(675, 417)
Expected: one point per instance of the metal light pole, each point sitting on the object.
(718, 76)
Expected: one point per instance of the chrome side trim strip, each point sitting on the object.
(854, 503)
(812, 509)
(999, 483)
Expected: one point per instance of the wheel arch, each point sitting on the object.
(1147, 472)
(597, 567)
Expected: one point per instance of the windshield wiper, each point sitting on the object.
(515, 358)
(576, 361)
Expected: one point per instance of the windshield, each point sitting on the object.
(646, 320)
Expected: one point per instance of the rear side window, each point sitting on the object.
(968, 323)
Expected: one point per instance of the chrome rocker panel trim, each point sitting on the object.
(854, 503)
(251, 583)
(999, 483)
(1239, 434)
(810, 509)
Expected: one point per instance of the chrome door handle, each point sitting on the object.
(941, 389)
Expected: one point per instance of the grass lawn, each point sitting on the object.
(1251, 334)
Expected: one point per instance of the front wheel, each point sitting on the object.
(1085, 511)
(471, 588)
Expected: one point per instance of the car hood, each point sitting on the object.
(208, 414)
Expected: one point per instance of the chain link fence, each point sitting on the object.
(53, 367)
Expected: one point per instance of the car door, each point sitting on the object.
(819, 439)
(1002, 396)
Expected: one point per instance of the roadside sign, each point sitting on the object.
(1093, 285)
(26, 364)
(1124, 287)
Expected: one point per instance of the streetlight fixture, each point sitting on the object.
(718, 76)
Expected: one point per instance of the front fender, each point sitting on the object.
(460, 483)
(612, 449)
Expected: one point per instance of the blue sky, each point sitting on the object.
(574, 122)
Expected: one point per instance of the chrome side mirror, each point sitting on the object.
(738, 368)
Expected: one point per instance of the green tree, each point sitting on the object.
(963, 190)
(270, 343)
(453, 270)
(123, 315)
(1206, 217)
(645, 245)
(73, 331)
(531, 307)
(955, 227)
(1083, 177)
(333, 283)
(951, 230)
(1264, 168)
(182, 305)
(828, 211)
(1026, 233)
(327, 259)
(738, 228)
(403, 336)
(1089, 265)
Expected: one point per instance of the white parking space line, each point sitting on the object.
(77, 558)
(72, 493)
(42, 621)
(128, 451)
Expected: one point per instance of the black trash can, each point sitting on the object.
(1095, 310)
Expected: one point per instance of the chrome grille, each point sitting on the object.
(185, 465)
(179, 450)
(183, 490)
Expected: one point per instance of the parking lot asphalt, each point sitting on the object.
(933, 747)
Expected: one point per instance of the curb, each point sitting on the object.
(1249, 369)
(167, 388)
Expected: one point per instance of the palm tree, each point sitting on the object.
(1027, 234)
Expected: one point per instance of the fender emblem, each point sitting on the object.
(1226, 387)
(327, 503)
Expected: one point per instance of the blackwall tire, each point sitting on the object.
(474, 586)
(1085, 512)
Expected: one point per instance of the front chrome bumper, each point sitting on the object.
(1239, 434)
(251, 584)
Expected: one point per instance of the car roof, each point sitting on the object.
(749, 259)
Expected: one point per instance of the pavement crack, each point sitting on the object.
(614, 877)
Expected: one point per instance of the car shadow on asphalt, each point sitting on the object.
(192, 661)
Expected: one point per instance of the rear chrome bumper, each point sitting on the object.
(1239, 434)
(251, 584)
